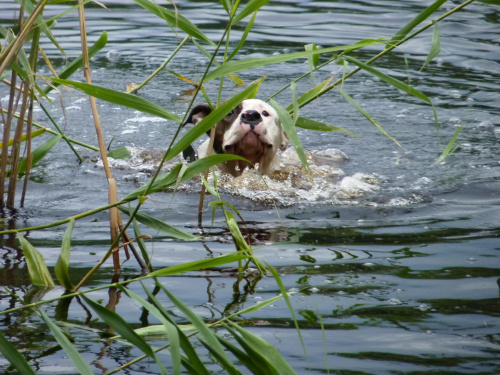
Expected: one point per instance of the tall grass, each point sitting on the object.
(18, 70)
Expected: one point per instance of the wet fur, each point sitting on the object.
(243, 132)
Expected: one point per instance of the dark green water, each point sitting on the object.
(404, 280)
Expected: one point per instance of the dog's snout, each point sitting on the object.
(251, 118)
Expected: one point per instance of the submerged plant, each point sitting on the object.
(232, 346)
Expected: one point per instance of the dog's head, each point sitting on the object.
(251, 130)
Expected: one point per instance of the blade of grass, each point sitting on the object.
(265, 350)
(236, 66)
(231, 76)
(249, 8)
(37, 269)
(310, 94)
(120, 153)
(39, 153)
(422, 16)
(170, 327)
(312, 60)
(34, 134)
(174, 18)
(77, 359)
(435, 48)
(62, 266)
(170, 179)
(77, 63)
(388, 79)
(285, 295)
(201, 264)
(120, 98)
(208, 335)
(15, 358)
(243, 37)
(160, 226)
(250, 362)
(289, 126)
(195, 366)
(309, 124)
(449, 148)
(117, 323)
(367, 116)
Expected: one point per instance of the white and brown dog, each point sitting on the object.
(252, 130)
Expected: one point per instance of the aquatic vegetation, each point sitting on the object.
(253, 353)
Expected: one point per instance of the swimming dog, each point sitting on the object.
(252, 130)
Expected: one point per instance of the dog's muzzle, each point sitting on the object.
(251, 118)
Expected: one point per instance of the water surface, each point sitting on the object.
(403, 279)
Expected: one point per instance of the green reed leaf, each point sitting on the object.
(174, 177)
(209, 337)
(160, 226)
(310, 94)
(43, 25)
(37, 269)
(449, 148)
(285, 295)
(312, 60)
(154, 307)
(238, 238)
(73, 353)
(435, 48)
(388, 79)
(120, 98)
(15, 358)
(367, 116)
(419, 18)
(249, 361)
(62, 266)
(289, 126)
(193, 364)
(231, 76)
(116, 322)
(265, 351)
(77, 63)
(120, 153)
(248, 28)
(309, 124)
(34, 134)
(237, 66)
(174, 18)
(201, 264)
(394, 82)
(249, 8)
(142, 244)
(39, 152)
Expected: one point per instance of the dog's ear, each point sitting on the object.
(197, 114)
(284, 136)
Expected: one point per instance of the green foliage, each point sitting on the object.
(39, 153)
(253, 353)
(37, 269)
(62, 268)
(15, 358)
(422, 16)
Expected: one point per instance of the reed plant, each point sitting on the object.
(19, 54)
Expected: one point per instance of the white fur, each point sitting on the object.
(259, 144)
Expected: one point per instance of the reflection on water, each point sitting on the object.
(402, 279)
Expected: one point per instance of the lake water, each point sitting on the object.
(403, 277)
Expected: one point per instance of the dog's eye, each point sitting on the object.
(265, 114)
(230, 113)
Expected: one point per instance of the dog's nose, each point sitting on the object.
(251, 118)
